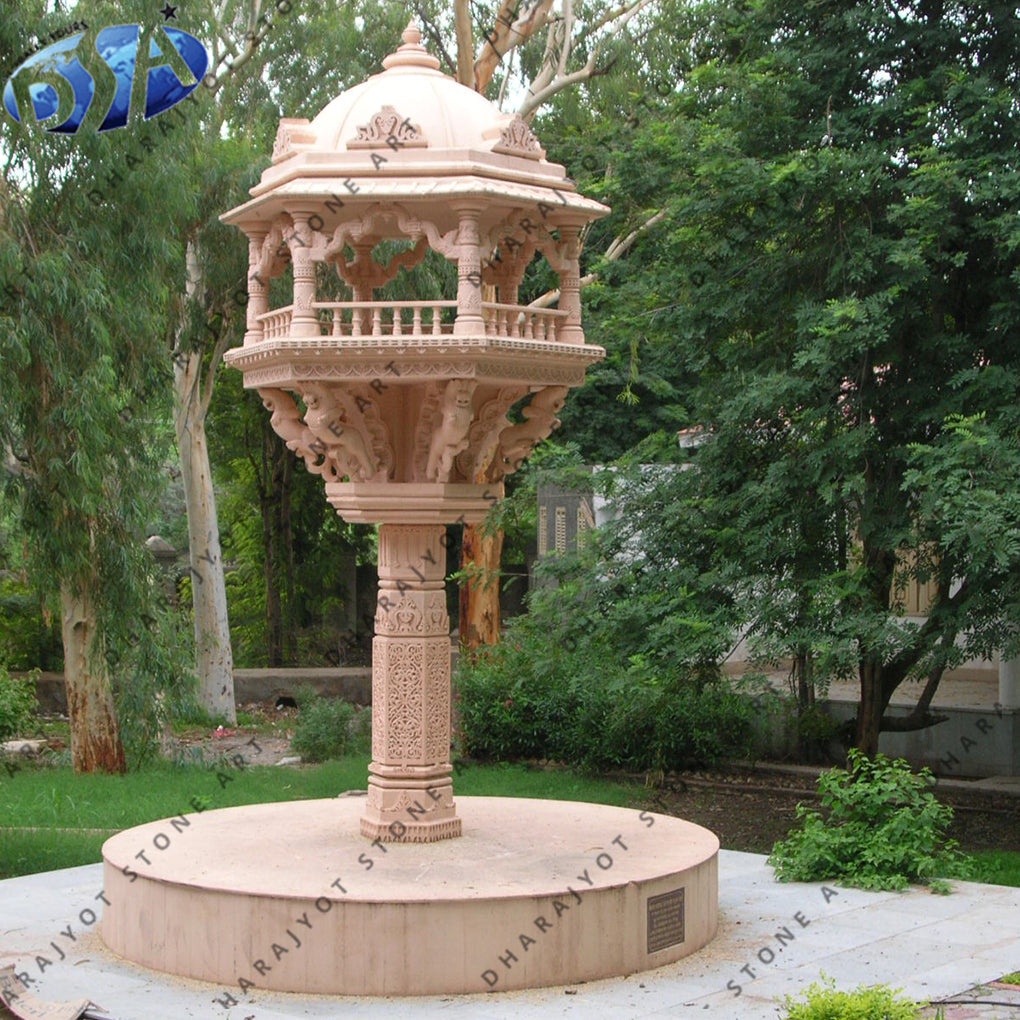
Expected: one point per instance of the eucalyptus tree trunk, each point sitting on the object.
(565, 36)
(479, 595)
(214, 661)
(480, 556)
(95, 742)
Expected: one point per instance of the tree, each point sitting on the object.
(598, 36)
(249, 86)
(84, 282)
(837, 276)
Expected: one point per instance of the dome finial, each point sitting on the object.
(411, 53)
(412, 34)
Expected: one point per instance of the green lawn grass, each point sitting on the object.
(54, 819)
(997, 867)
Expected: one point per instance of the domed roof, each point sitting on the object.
(413, 135)
(436, 110)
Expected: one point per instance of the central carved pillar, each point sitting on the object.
(410, 792)
(304, 319)
(258, 289)
(469, 273)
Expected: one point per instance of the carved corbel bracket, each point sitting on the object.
(483, 436)
(450, 434)
(517, 441)
(336, 420)
(275, 252)
(298, 437)
(428, 415)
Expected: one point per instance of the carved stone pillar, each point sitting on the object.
(304, 320)
(258, 289)
(362, 286)
(410, 792)
(469, 274)
(570, 287)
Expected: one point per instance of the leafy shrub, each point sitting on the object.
(535, 695)
(360, 730)
(866, 1002)
(17, 704)
(321, 732)
(883, 829)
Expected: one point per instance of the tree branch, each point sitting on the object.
(909, 723)
(618, 247)
(436, 38)
(507, 34)
(465, 47)
(547, 84)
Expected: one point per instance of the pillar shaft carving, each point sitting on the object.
(258, 289)
(304, 320)
(570, 287)
(410, 792)
(469, 274)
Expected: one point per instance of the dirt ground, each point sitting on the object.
(749, 809)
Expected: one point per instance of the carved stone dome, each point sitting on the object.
(411, 111)
(446, 114)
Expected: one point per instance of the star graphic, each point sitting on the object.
(168, 12)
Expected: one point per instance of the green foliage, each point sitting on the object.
(996, 867)
(882, 829)
(558, 687)
(153, 682)
(822, 1001)
(29, 620)
(828, 270)
(321, 732)
(17, 704)
(1013, 978)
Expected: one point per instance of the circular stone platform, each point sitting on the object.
(291, 897)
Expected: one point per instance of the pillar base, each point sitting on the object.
(277, 897)
(412, 832)
(409, 810)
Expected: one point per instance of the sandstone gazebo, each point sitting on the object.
(413, 412)
(402, 406)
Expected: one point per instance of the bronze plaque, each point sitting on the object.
(665, 920)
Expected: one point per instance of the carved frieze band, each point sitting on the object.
(412, 614)
(538, 375)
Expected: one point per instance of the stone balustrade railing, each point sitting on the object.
(521, 322)
(385, 318)
(417, 318)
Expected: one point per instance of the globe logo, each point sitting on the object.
(55, 85)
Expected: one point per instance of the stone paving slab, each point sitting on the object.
(774, 939)
(993, 1001)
